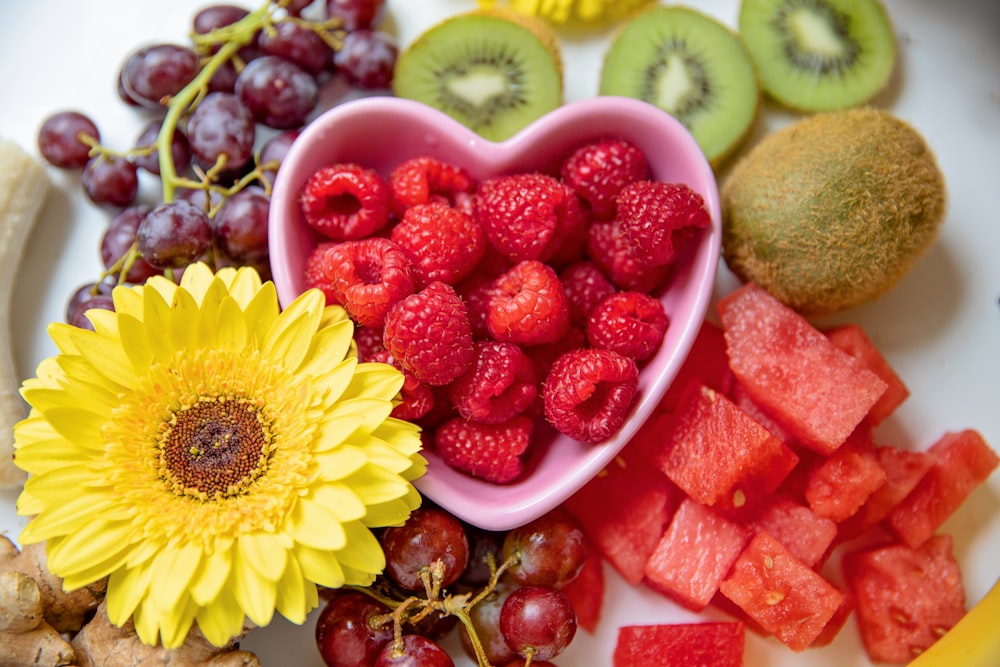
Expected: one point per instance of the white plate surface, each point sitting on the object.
(940, 327)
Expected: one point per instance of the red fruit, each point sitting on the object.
(598, 171)
(585, 286)
(498, 384)
(588, 392)
(423, 179)
(586, 592)
(657, 218)
(608, 248)
(706, 644)
(429, 334)
(346, 201)
(851, 338)
(492, 452)
(630, 323)
(906, 598)
(521, 214)
(807, 535)
(780, 593)
(441, 242)
(367, 277)
(527, 305)
(843, 482)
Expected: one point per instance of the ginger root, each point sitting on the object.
(102, 644)
(25, 637)
(41, 624)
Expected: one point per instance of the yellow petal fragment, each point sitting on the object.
(265, 553)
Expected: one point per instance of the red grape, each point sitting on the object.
(90, 295)
(538, 620)
(355, 14)
(241, 225)
(153, 74)
(346, 632)
(549, 551)
(298, 44)
(179, 149)
(118, 239)
(174, 234)
(428, 535)
(279, 93)
(415, 651)
(59, 139)
(367, 59)
(221, 125)
(111, 180)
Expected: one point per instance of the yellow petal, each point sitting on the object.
(136, 342)
(255, 595)
(339, 462)
(197, 280)
(261, 311)
(126, 589)
(106, 356)
(68, 515)
(265, 554)
(315, 525)
(363, 551)
(87, 544)
(213, 572)
(285, 340)
(376, 380)
(173, 569)
(230, 329)
(176, 622)
(181, 327)
(341, 500)
(222, 620)
(332, 432)
(296, 597)
(320, 566)
(329, 347)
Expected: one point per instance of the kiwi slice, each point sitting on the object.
(691, 66)
(494, 71)
(819, 55)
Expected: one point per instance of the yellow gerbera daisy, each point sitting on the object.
(215, 457)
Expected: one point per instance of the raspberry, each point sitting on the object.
(476, 291)
(527, 305)
(415, 398)
(368, 341)
(598, 171)
(657, 218)
(346, 201)
(522, 213)
(608, 248)
(429, 334)
(442, 242)
(493, 452)
(499, 383)
(629, 323)
(423, 179)
(588, 392)
(585, 286)
(367, 277)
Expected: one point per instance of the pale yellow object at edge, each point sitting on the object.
(973, 642)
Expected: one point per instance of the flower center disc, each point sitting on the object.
(215, 448)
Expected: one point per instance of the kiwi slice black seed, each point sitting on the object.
(691, 66)
(493, 71)
(819, 55)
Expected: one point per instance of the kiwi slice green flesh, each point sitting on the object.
(490, 73)
(819, 55)
(691, 66)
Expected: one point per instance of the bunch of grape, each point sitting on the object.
(227, 105)
(502, 591)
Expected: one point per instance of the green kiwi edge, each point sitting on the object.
(819, 55)
(491, 70)
(692, 66)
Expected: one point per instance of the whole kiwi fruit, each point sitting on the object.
(832, 210)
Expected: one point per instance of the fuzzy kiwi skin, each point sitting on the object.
(831, 211)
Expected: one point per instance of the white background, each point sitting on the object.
(940, 327)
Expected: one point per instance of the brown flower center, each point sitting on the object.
(215, 448)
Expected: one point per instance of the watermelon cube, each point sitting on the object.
(852, 339)
(586, 592)
(718, 454)
(783, 595)
(738, 394)
(836, 622)
(807, 535)
(706, 363)
(841, 484)
(903, 469)
(707, 644)
(696, 552)
(624, 511)
(961, 462)
(817, 391)
(906, 598)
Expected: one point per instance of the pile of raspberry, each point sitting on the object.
(520, 302)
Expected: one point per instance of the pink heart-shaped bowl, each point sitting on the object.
(380, 132)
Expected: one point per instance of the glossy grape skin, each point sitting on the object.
(221, 125)
(279, 93)
(345, 634)
(367, 59)
(548, 551)
(298, 44)
(154, 73)
(274, 151)
(205, 200)
(179, 149)
(241, 225)
(483, 545)
(485, 617)
(118, 239)
(355, 14)
(85, 298)
(429, 535)
(59, 139)
(174, 234)
(416, 651)
(110, 180)
(539, 620)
